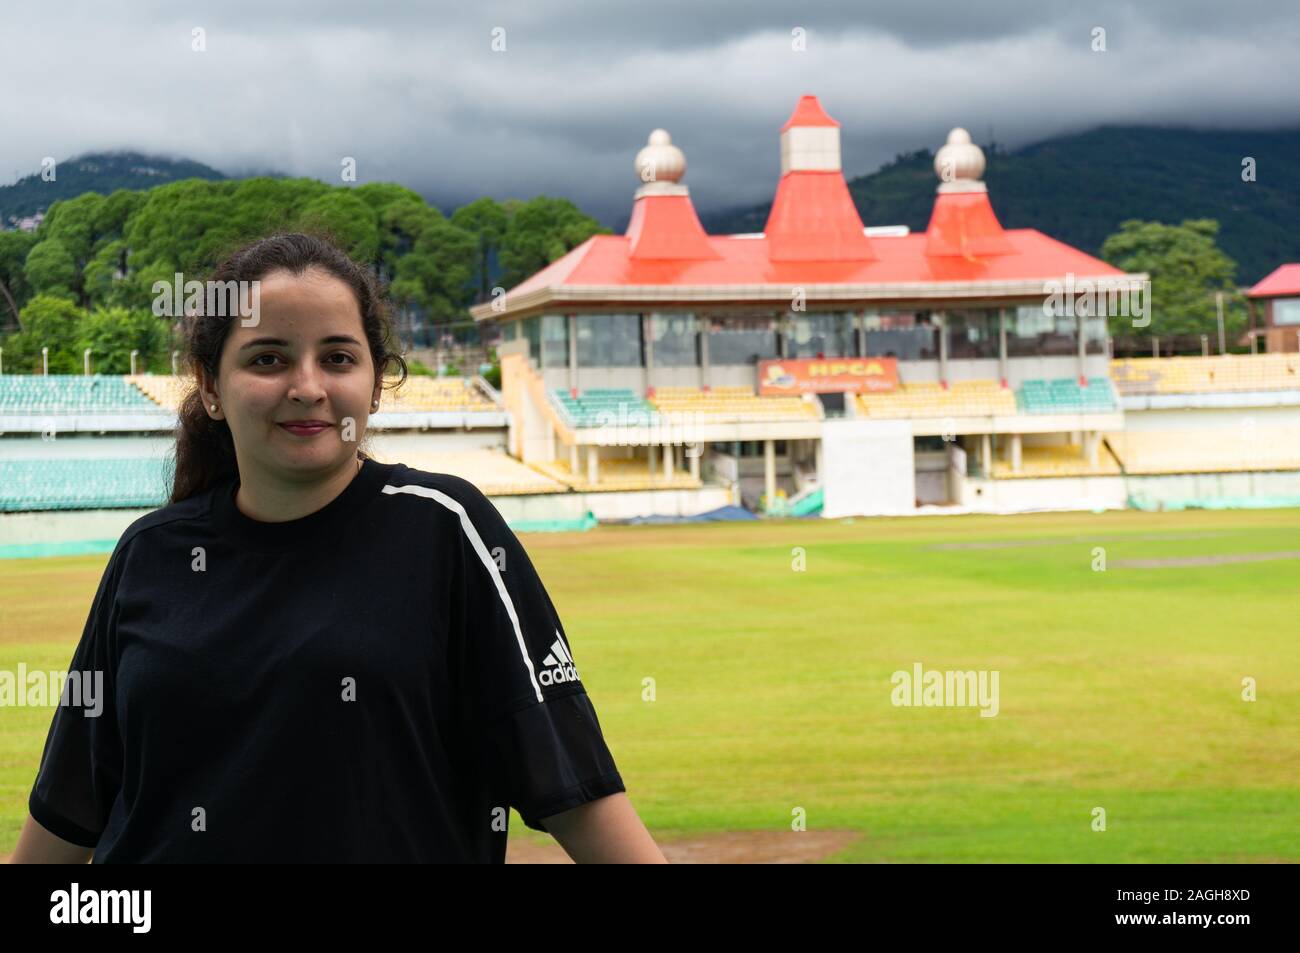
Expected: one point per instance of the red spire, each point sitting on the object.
(667, 227)
(809, 112)
(813, 217)
(664, 225)
(963, 224)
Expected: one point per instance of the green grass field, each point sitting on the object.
(1119, 689)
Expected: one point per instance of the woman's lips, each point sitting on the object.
(306, 430)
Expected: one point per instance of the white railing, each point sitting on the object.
(491, 392)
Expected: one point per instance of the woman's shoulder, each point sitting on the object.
(170, 515)
(448, 491)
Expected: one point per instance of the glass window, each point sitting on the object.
(1031, 332)
(609, 340)
(908, 336)
(555, 340)
(741, 340)
(511, 331)
(832, 404)
(676, 339)
(532, 328)
(1286, 311)
(820, 335)
(972, 332)
(1094, 334)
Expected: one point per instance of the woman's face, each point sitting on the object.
(306, 359)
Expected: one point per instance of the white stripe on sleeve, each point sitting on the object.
(488, 563)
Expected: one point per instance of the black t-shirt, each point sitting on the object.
(376, 681)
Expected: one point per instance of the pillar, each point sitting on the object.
(703, 332)
(769, 470)
(1015, 453)
(668, 462)
(986, 454)
(593, 465)
(648, 348)
(1079, 322)
(941, 321)
(572, 320)
(694, 461)
(821, 458)
(650, 459)
(573, 458)
(1002, 344)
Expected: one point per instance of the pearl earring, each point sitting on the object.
(214, 408)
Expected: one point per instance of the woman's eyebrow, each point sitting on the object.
(332, 339)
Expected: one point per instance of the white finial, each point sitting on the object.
(660, 166)
(959, 164)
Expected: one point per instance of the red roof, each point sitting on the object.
(963, 224)
(1284, 281)
(808, 112)
(813, 236)
(813, 218)
(604, 260)
(666, 227)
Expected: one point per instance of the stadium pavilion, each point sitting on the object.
(866, 361)
(819, 367)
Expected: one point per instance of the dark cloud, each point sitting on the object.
(416, 93)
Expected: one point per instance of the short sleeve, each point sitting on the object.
(540, 733)
(80, 773)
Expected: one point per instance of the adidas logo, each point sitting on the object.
(559, 664)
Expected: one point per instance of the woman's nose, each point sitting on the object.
(305, 384)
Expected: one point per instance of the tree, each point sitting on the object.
(14, 248)
(540, 231)
(401, 224)
(100, 274)
(51, 270)
(48, 321)
(349, 221)
(113, 333)
(487, 219)
(437, 273)
(1187, 268)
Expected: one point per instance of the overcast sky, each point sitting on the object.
(417, 94)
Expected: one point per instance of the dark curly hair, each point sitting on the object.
(205, 450)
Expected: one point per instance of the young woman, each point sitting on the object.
(311, 656)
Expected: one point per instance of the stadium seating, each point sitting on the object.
(730, 405)
(419, 394)
(1206, 375)
(599, 407)
(616, 474)
(27, 485)
(1232, 450)
(1065, 396)
(165, 390)
(494, 472)
(71, 394)
(964, 398)
(1057, 460)
(422, 394)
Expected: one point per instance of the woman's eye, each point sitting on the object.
(344, 354)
